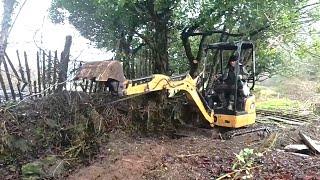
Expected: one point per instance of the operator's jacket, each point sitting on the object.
(229, 77)
(228, 80)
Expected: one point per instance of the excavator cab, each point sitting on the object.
(230, 82)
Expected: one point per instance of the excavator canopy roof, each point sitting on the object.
(230, 45)
(101, 71)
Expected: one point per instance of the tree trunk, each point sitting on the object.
(194, 61)
(159, 51)
(63, 70)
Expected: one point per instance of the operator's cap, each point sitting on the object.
(233, 58)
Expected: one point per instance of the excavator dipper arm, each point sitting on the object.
(158, 82)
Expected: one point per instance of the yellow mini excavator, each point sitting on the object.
(242, 113)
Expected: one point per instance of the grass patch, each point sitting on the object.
(278, 104)
(264, 93)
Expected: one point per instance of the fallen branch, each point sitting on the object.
(188, 155)
(286, 121)
(310, 143)
(236, 171)
(55, 169)
(296, 147)
(300, 155)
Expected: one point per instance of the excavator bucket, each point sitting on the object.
(108, 72)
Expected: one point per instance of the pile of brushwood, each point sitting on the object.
(50, 136)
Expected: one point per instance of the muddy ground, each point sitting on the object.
(73, 136)
(200, 156)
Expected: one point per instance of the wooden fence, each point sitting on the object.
(51, 72)
(20, 82)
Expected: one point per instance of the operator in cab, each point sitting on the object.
(226, 90)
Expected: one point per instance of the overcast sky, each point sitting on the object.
(33, 25)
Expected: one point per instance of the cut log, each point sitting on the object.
(296, 147)
(286, 121)
(312, 144)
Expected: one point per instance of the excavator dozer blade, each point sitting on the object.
(109, 72)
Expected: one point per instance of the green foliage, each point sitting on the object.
(263, 93)
(307, 57)
(46, 168)
(269, 99)
(32, 170)
(269, 60)
(244, 162)
(110, 23)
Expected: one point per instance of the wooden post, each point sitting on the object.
(49, 72)
(63, 67)
(9, 80)
(28, 72)
(82, 86)
(12, 67)
(95, 87)
(3, 86)
(35, 88)
(55, 63)
(20, 67)
(21, 73)
(44, 73)
(91, 87)
(39, 73)
(19, 91)
(86, 85)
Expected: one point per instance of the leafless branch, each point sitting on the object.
(15, 19)
(308, 5)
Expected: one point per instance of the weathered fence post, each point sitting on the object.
(63, 70)
(49, 71)
(86, 85)
(3, 86)
(54, 78)
(35, 88)
(19, 91)
(21, 73)
(9, 80)
(12, 67)
(44, 73)
(39, 73)
(28, 72)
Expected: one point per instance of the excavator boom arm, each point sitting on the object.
(158, 82)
